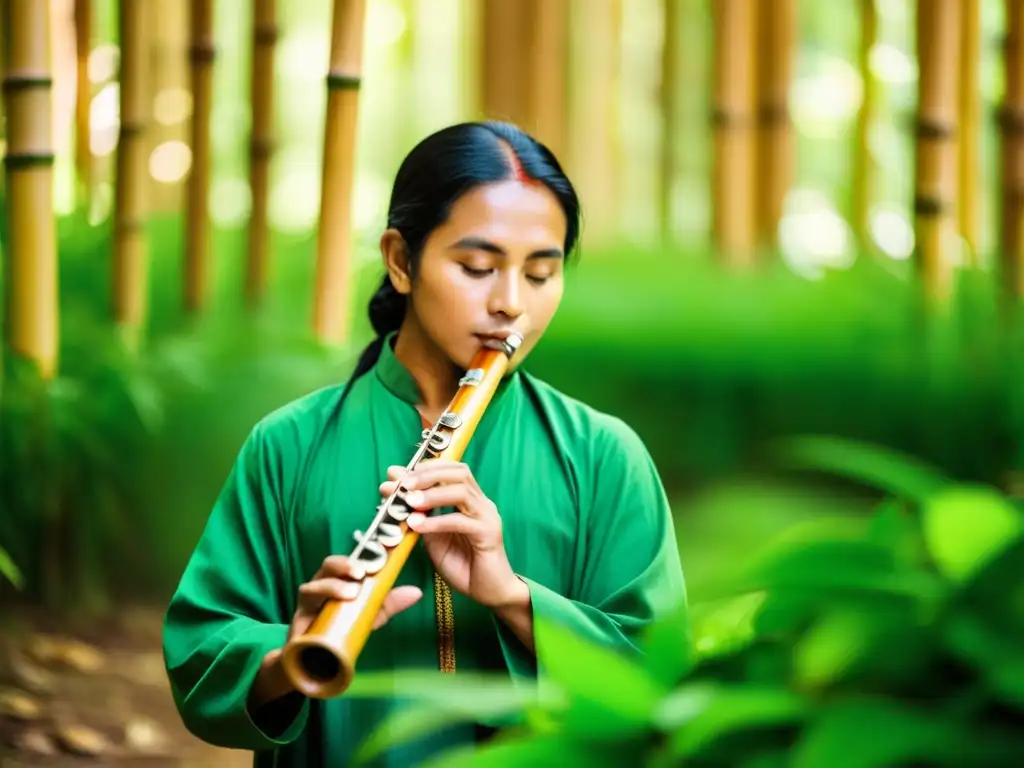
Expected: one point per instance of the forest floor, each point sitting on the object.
(97, 696)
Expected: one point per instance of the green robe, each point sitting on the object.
(586, 523)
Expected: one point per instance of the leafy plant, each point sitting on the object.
(900, 643)
(8, 569)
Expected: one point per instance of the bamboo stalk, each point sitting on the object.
(863, 160)
(260, 148)
(938, 50)
(171, 104)
(1012, 151)
(777, 33)
(130, 269)
(732, 183)
(83, 99)
(504, 78)
(970, 128)
(202, 52)
(31, 252)
(669, 114)
(593, 151)
(547, 39)
(334, 245)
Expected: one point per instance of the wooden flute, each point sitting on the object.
(321, 662)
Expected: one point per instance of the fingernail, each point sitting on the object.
(414, 498)
(415, 519)
(349, 591)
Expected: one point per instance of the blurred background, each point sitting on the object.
(800, 218)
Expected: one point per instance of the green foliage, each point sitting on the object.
(896, 642)
(9, 570)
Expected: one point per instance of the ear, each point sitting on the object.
(396, 260)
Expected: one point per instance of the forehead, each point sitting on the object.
(509, 211)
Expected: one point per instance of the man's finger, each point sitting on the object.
(313, 593)
(396, 601)
(340, 567)
(454, 523)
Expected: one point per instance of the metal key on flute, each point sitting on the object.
(321, 662)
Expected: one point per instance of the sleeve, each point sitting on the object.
(631, 572)
(231, 608)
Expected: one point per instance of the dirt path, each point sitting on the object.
(101, 693)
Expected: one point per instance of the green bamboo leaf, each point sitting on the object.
(668, 646)
(889, 470)
(996, 654)
(411, 722)
(965, 527)
(9, 570)
(867, 734)
(835, 566)
(701, 714)
(622, 698)
(832, 644)
(537, 752)
(896, 527)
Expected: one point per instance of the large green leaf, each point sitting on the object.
(895, 526)
(834, 567)
(965, 527)
(723, 625)
(668, 646)
(700, 714)
(430, 701)
(869, 734)
(411, 722)
(536, 752)
(609, 693)
(998, 655)
(9, 570)
(844, 636)
(886, 469)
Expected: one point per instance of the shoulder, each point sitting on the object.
(297, 422)
(602, 436)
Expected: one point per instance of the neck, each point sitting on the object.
(436, 377)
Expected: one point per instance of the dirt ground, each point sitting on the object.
(94, 697)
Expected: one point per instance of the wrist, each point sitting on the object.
(516, 596)
(271, 682)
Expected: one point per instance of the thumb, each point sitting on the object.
(397, 600)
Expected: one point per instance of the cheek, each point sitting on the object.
(545, 302)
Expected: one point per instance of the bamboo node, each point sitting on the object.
(265, 35)
(1010, 119)
(202, 53)
(931, 205)
(930, 128)
(339, 81)
(722, 117)
(18, 160)
(261, 148)
(773, 114)
(131, 128)
(14, 83)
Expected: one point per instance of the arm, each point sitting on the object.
(231, 609)
(631, 573)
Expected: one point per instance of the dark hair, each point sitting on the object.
(434, 175)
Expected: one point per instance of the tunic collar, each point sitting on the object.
(397, 379)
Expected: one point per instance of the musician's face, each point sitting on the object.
(496, 264)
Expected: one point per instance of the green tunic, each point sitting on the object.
(586, 522)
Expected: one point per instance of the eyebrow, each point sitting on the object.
(480, 244)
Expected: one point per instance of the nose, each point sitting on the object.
(507, 296)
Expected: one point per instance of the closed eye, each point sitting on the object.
(476, 272)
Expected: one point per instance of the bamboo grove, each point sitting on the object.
(524, 77)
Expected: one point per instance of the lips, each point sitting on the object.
(495, 335)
